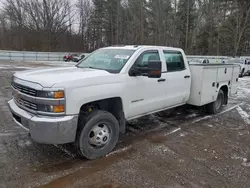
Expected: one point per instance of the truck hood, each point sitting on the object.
(47, 77)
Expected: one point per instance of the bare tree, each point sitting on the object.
(84, 10)
(49, 17)
(242, 24)
(198, 26)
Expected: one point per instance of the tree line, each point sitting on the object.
(202, 27)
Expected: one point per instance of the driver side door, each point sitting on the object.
(145, 94)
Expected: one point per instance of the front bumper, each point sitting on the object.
(47, 130)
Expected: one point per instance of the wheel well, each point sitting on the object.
(111, 105)
(225, 91)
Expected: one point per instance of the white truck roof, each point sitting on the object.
(136, 47)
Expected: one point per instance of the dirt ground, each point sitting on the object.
(186, 150)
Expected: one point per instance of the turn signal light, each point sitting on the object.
(58, 94)
(58, 109)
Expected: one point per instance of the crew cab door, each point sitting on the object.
(178, 78)
(145, 94)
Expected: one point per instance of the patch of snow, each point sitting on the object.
(7, 134)
(23, 143)
(207, 117)
(119, 150)
(245, 162)
(200, 119)
(174, 131)
(244, 115)
(192, 115)
(164, 149)
(183, 134)
(65, 150)
(241, 133)
(229, 109)
(28, 143)
(17, 67)
(244, 88)
(181, 160)
(57, 63)
(211, 126)
(6, 67)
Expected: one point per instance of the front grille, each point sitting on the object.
(26, 104)
(24, 89)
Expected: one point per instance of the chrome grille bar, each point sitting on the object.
(24, 89)
(26, 104)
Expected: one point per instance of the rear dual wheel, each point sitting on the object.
(216, 106)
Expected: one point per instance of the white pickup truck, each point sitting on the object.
(89, 104)
(244, 67)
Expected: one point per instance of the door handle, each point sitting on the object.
(161, 80)
(187, 76)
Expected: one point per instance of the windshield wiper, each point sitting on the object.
(109, 71)
(87, 67)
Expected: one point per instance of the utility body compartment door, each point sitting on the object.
(208, 79)
(235, 80)
(224, 74)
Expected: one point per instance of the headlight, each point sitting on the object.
(51, 108)
(51, 94)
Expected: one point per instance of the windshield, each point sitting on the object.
(111, 60)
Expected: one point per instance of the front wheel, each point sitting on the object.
(216, 106)
(97, 134)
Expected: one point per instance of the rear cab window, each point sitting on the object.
(174, 61)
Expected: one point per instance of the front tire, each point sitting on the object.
(216, 106)
(97, 134)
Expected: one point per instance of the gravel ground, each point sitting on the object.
(187, 150)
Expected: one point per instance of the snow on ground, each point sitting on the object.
(57, 63)
(244, 115)
(19, 65)
(244, 88)
(14, 67)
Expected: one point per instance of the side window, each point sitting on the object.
(145, 57)
(174, 61)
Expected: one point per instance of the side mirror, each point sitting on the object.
(154, 69)
(134, 72)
